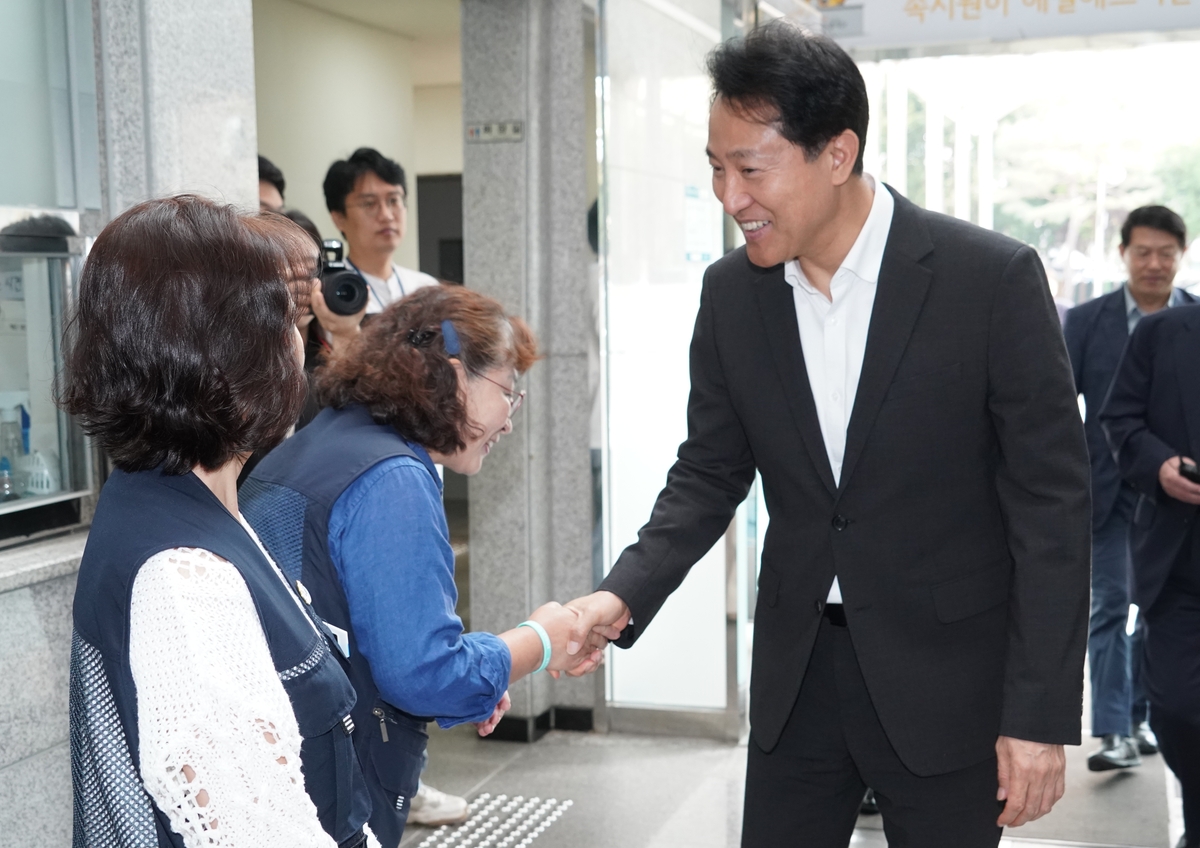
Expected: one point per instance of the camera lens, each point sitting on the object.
(345, 292)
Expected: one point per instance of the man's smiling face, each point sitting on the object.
(777, 196)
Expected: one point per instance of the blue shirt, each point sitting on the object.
(389, 542)
(1134, 313)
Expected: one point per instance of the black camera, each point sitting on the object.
(345, 290)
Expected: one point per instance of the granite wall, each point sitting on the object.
(37, 584)
(525, 234)
(176, 90)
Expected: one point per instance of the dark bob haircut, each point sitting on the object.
(344, 174)
(398, 367)
(1158, 218)
(803, 84)
(180, 351)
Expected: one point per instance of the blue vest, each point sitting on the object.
(139, 515)
(287, 500)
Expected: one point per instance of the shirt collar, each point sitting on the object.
(1131, 305)
(866, 254)
(423, 455)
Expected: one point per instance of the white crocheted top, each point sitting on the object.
(219, 745)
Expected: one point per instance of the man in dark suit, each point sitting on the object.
(1152, 419)
(1152, 239)
(900, 381)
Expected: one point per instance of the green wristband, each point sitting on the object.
(545, 637)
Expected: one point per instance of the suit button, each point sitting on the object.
(820, 606)
(840, 522)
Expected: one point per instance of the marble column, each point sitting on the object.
(176, 89)
(525, 243)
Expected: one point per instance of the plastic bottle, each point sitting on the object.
(7, 492)
(11, 443)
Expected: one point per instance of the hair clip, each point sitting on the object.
(450, 338)
(420, 338)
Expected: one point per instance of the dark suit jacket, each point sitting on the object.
(1153, 414)
(1096, 334)
(960, 531)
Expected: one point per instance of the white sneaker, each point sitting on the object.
(434, 808)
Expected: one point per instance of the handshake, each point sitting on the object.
(581, 630)
(578, 634)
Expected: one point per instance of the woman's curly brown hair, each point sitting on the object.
(399, 369)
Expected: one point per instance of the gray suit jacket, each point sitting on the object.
(960, 531)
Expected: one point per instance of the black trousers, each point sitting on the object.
(806, 792)
(1179, 742)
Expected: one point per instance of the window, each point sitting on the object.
(44, 460)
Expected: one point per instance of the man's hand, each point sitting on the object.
(1175, 484)
(560, 622)
(602, 617)
(486, 727)
(1032, 778)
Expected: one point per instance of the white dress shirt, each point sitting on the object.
(833, 331)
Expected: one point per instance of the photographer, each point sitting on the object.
(366, 196)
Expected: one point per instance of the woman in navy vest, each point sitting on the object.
(207, 707)
(351, 506)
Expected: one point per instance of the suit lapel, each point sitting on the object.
(1113, 322)
(778, 308)
(902, 286)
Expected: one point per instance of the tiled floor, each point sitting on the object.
(642, 792)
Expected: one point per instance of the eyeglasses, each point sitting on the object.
(1166, 255)
(514, 398)
(370, 204)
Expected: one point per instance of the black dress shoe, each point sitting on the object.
(1147, 742)
(868, 806)
(1116, 752)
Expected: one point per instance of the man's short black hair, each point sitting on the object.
(1158, 218)
(805, 85)
(269, 172)
(345, 173)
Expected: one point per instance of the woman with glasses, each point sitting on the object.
(351, 508)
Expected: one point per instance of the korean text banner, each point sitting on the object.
(910, 23)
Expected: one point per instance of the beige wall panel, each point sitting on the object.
(326, 85)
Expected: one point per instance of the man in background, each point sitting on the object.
(1152, 420)
(270, 186)
(366, 196)
(1152, 241)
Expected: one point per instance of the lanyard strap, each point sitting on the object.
(371, 286)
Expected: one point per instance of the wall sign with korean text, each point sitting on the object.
(489, 131)
(910, 23)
